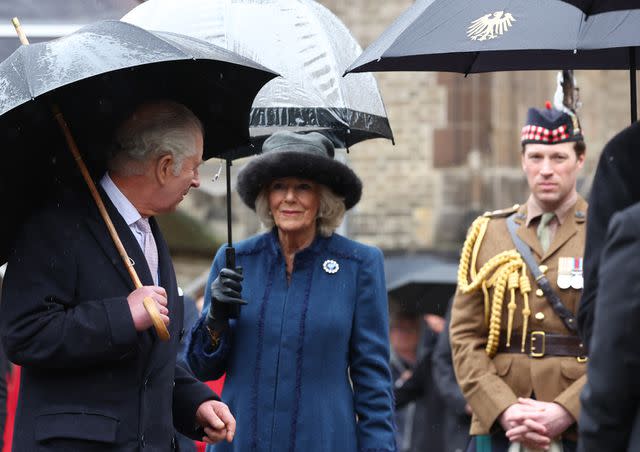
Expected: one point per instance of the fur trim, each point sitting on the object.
(259, 173)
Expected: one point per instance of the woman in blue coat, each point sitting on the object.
(307, 357)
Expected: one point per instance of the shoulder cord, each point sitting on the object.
(501, 272)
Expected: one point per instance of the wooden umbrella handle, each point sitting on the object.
(149, 303)
(21, 36)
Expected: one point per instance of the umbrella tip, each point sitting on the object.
(19, 32)
(547, 105)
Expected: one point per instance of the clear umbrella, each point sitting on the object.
(301, 40)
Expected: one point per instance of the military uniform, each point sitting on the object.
(492, 384)
(507, 340)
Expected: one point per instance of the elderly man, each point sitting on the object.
(95, 376)
(516, 353)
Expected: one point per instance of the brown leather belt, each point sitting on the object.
(539, 344)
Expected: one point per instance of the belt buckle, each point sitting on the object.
(582, 359)
(535, 335)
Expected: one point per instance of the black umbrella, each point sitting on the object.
(603, 6)
(469, 36)
(94, 77)
(421, 283)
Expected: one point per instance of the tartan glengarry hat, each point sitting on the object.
(305, 156)
(550, 126)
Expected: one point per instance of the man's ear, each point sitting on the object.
(164, 168)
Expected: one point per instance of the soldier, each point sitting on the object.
(517, 357)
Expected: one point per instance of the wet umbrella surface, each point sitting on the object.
(505, 35)
(96, 76)
(301, 40)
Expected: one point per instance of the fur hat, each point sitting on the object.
(305, 156)
(551, 126)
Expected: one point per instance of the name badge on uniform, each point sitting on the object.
(565, 266)
(577, 281)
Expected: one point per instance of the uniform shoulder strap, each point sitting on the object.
(501, 213)
(552, 297)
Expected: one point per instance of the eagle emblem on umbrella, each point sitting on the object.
(490, 26)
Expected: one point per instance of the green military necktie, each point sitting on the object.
(543, 231)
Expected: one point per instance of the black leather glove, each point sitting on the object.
(225, 298)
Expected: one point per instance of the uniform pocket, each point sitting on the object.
(76, 425)
(503, 363)
(571, 369)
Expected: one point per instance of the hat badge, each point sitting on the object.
(330, 266)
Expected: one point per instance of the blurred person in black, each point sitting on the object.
(615, 187)
(457, 416)
(404, 338)
(4, 373)
(419, 387)
(610, 416)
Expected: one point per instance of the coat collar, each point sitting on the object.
(318, 245)
(576, 216)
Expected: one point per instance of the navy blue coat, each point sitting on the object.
(307, 363)
(610, 416)
(90, 382)
(615, 187)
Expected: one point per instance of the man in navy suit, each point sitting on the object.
(95, 375)
(610, 416)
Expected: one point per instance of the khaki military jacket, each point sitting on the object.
(491, 385)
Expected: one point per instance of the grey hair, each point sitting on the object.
(154, 129)
(330, 211)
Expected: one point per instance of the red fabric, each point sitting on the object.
(13, 388)
(217, 387)
(541, 134)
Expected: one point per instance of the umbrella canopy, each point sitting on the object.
(502, 35)
(603, 6)
(300, 39)
(421, 283)
(96, 75)
(100, 72)
(505, 35)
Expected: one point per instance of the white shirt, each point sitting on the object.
(124, 207)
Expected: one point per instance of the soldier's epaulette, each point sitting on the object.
(501, 213)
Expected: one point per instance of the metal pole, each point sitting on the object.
(633, 88)
(229, 238)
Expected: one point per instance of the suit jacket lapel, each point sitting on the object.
(165, 266)
(165, 271)
(100, 232)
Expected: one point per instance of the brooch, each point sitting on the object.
(330, 266)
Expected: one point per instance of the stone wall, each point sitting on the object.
(457, 150)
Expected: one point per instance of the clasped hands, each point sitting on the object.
(534, 423)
